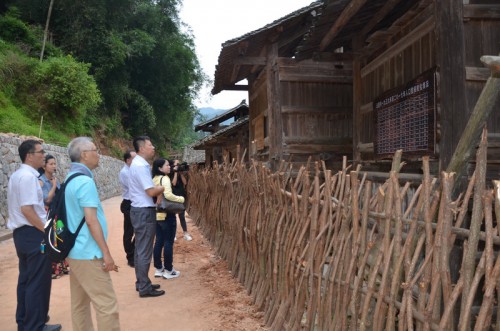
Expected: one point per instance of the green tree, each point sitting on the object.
(144, 64)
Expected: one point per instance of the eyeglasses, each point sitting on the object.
(92, 150)
(40, 151)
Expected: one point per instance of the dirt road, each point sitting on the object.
(204, 297)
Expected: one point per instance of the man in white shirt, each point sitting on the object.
(27, 220)
(143, 214)
(128, 229)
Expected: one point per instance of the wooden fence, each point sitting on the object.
(334, 251)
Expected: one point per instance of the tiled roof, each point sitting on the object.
(288, 31)
(213, 137)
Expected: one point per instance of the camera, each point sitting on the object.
(182, 167)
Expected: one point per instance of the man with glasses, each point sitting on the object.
(90, 259)
(27, 220)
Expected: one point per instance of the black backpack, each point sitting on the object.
(58, 239)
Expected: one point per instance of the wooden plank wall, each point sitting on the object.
(316, 107)
(399, 68)
(391, 67)
(314, 110)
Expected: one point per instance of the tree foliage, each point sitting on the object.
(144, 65)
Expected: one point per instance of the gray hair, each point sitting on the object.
(77, 146)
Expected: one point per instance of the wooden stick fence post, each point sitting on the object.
(475, 227)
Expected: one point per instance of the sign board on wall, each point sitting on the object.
(405, 118)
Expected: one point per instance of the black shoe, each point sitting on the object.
(52, 327)
(152, 293)
(131, 264)
(153, 286)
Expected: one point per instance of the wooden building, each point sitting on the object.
(225, 140)
(365, 78)
(297, 109)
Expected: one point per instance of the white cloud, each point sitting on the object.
(214, 22)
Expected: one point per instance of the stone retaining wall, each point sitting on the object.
(106, 175)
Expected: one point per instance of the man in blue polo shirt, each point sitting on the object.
(90, 259)
(143, 214)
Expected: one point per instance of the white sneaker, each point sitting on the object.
(170, 274)
(187, 237)
(159, 272)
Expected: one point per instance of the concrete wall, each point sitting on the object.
(106, 175)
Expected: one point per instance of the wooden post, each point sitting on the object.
(484, 106)
(356, 101)
(450, 53)
(275, 122)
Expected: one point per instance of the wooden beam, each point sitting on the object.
(349, 11)
(332, 57)
(285, 77)
(250, 60)
(292, 37)
(477, 74)
(481, 11)
(235, 87)
(315, 110)
(263, 53)
(316, 148)
(406, 41)
(234, 74)
(379, 16)
(305, 140)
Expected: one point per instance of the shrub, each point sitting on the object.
(67, 90)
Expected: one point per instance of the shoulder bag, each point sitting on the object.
(169, 207)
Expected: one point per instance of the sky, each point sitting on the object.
(214, 22)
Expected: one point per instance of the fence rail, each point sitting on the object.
(334, 251)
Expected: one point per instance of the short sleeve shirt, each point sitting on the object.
(47, 186)
(82, 192)
(139, 181)
(124, 179)
(24, 190)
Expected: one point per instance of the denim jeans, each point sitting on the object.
(165, 234)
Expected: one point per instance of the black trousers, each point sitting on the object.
(128, 231)
(35, 280)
